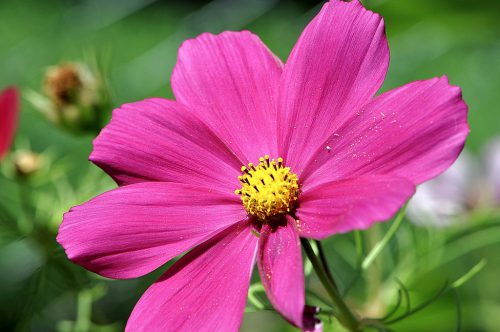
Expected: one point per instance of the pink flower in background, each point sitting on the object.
(468, 184)
(443, 200)
(251, 156)
(9, 108)
(491, 160)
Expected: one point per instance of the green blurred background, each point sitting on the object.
(136, 43)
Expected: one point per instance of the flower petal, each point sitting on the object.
(132, 230)
(280, 267)
(230, 81)
(9, 108)
(337, 66)
(416, 131)
(206, 290)
(159, 140)
(346, 205)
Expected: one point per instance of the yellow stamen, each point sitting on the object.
(268, 189)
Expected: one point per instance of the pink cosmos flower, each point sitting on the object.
(491, 160)
(9, 105)
(328, 157)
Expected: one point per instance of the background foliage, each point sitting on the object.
(135, 43)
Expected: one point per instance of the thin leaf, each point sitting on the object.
(377, 249)
(406, 294)
(470, 274)
(424, 305)
(459, 311)
(396, 306)
(254, 288)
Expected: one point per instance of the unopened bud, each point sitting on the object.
(27, 162)
(63, 84)
(75, 97)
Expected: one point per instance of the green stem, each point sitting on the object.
(345, 315)
(358, 240)
(84, 311)
(322, 257)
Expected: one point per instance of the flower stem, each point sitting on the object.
(345, 315)
(322, 257)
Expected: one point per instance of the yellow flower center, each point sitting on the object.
(268, 189)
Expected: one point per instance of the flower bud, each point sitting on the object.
(26, 162)
(9, 112)
(75, 97)
(63, 84)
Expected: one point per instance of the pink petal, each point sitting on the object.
(280, 267)
(416, 131)
(337, 66)
(9, 109)
(205, 290)
(230, 81)
(346, 205)
(132, 230)
(159, 140)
